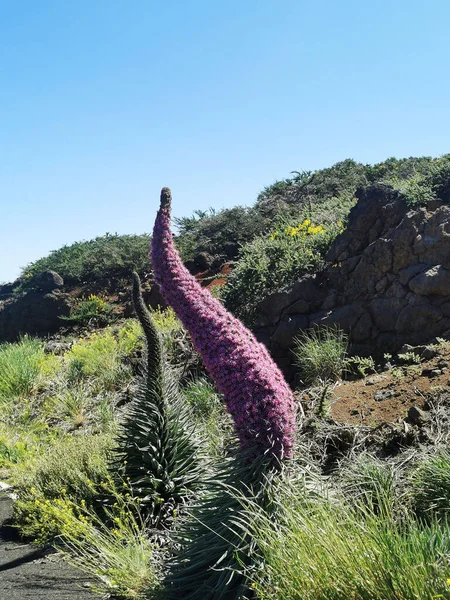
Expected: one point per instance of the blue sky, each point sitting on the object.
(103, 102)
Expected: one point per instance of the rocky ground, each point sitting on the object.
(27, 571)
(396, 393)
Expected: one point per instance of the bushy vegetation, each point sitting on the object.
(71, 469)
(90, 310)
(269, 263)
(23, 366)
(105, 256)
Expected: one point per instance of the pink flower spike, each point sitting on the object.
(257, 396)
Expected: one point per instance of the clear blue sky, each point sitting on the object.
(103, 102)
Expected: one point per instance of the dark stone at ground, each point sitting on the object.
(35, 313)
(417, 416)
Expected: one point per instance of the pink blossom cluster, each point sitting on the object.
(256, 394)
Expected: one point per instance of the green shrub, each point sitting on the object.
(130, 337)
(270, 263)
(213, 231)
(105, 256)
(439, 178)
(90, 309)
(72, 468)
(429, 490)
(320, 354)
(22, 366)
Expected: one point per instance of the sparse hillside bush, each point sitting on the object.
(70, 469)
(99, 357)
(105, 256)
(22, 366)
(92, 309)
(216, 232)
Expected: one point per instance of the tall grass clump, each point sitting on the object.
(322, 550)
(157, 451)
(22, 366)
(368, 482)
(429, 485)
(208, 412)
(320, 354)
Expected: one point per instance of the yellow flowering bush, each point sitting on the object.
(274, 261)
(92, 308)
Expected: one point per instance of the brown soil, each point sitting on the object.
(387, 396)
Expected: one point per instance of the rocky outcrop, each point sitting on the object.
(48, 281)
(34, 313)
(387, 283)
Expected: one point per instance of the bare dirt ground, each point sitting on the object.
(29, 572)
(387, 397)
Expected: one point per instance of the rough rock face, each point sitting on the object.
(35, 313)
(388, 282)
(48, 281)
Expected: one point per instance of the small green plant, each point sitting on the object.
(360, 366)
(410, 358)
(90, 309)
(320, 354)
(98, 358)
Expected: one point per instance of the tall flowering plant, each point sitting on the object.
(256, 394)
